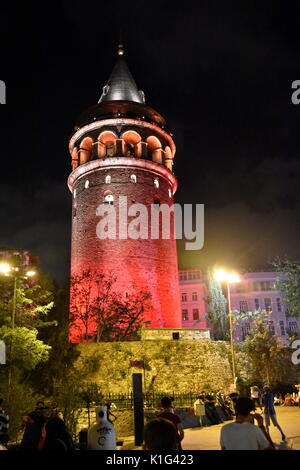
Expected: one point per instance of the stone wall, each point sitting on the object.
(170, 366)
(192, 334)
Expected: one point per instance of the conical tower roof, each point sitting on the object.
(121, 85)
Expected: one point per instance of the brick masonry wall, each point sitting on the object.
(149, 265)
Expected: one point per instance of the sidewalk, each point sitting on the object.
(207, 438)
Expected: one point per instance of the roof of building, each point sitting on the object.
(121, 85)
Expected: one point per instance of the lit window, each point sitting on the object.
(268, 305)
(109, 199)
(87, 184)
(195, 314)
(156, 183)
(243, 306)
(170, 192)
(133, 178)
(255, 286)
(271, 328)
(185, 315)
(293, 325)
(74, 194)
(107, 179)
(245, 330)
(278, 303)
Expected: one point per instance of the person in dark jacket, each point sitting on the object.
(34, 423)
(57, 435)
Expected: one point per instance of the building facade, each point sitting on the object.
(256, 291)
(193, 291)
(122, 163)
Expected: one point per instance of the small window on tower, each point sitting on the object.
(170, 192)
(156, 183)
(156, 203)
(107, 179)
(74, 194)
(109, 199)
(87, 184)
(133, 178)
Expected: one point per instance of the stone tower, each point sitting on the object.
(122, 155)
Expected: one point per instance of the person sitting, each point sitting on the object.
(160, 434)
(168, 413)
(57, 435)
(242, 434)
(288, 400)
(211, 411)
(34, 423)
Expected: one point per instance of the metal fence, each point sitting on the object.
(151, 400)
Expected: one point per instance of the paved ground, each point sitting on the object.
(207, 438)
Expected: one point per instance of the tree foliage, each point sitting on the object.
(217, 315)
(289, 284)
(25, 351)
(102, 312)
(267, 356)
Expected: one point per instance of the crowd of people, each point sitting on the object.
(43, 429)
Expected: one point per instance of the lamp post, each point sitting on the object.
(229, 278)
(15, 272)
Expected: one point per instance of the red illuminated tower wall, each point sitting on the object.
(120, 148)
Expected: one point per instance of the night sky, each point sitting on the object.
(219, 72)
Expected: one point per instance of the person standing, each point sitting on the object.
(168, 413)
(269, 411)
(4, 425)
(255, 396)
(34, 423)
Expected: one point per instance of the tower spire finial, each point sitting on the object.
(120, 46)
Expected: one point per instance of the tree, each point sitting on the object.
(217, 315)
(289, 284)
(102, 312)
(47, 376)
(268, 357)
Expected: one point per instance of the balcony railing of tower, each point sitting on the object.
(127, 115)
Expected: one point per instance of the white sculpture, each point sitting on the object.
(101, 435)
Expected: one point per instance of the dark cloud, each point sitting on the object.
(221, 74)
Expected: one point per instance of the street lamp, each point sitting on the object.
(229, 277)
(13, 271)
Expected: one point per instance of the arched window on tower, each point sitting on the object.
(85, 150)
(156, 183)
(109, 199)
(133, 178)
(168, 158)
(107, 144)
(87, 184)
(108, 179)
(155, 150)
(132, 144)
